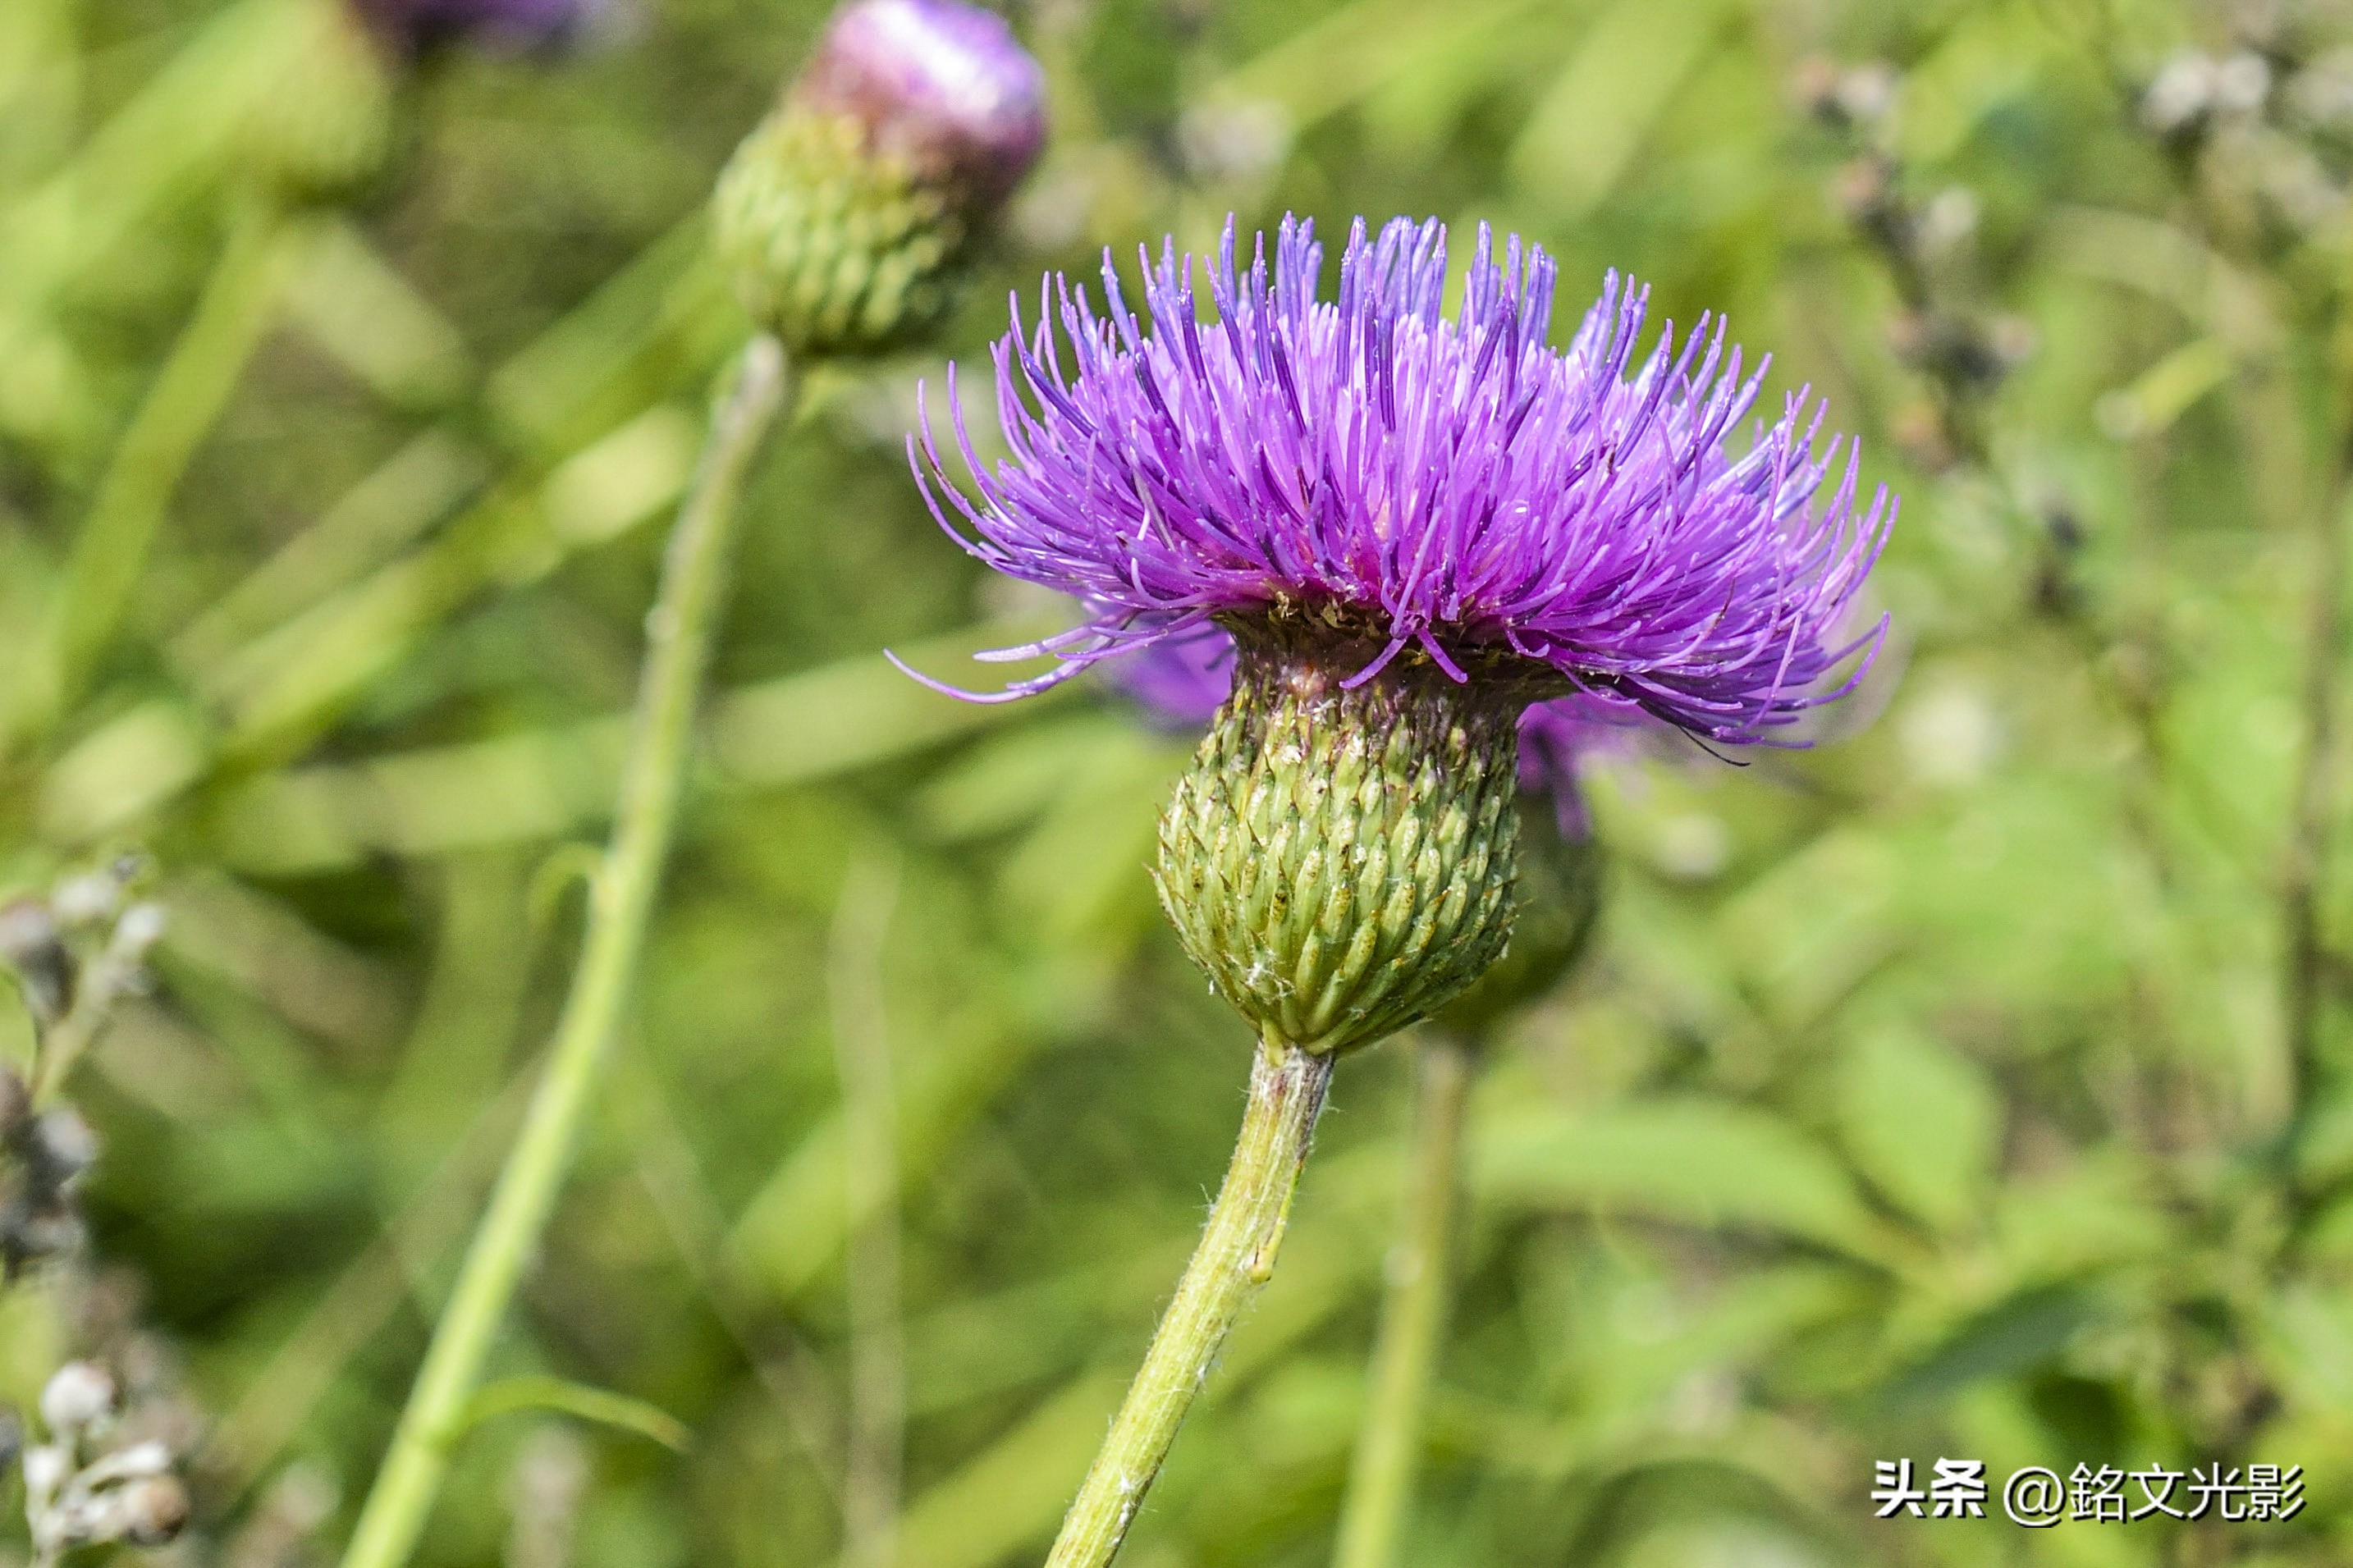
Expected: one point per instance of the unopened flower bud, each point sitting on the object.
(2180, 94)
(848, 215)
(78, 1395)
(1340, 861)
(47, 1467)
(321, 128)
(140, 929)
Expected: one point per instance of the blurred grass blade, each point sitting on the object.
(1581, 137)
(546, 783)
(399, 499)
(600, 1406)
(1700, 1161)
(373, 322)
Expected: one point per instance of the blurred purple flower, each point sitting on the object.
(418, 27)
(940, 83)
(1179, 680)
(1451, 489)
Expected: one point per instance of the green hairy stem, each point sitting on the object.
(1236, 1255)
(679, 634)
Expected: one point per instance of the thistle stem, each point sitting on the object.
(679, 636)
(1234, 1258)
(183, 405)
(1413, 1311)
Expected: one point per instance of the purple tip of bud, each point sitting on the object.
(420, 27)
(941, 83)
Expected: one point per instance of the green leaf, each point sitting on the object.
(1921, 1122)
(600, 1406)
(1700, 1161)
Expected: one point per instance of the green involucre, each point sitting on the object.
(1341, 863)
(834, 247)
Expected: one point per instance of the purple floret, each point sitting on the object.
(1452, 487)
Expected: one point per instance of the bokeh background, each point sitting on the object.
(1968, 1086)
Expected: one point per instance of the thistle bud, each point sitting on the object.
(1340, 861)
(849, 214)
(321, 128)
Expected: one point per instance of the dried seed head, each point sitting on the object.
(150, 1511)
(32, 945)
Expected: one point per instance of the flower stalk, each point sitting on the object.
(1413, 1309)
(679, 633)
(1235, 1256)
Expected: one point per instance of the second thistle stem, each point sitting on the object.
(1234, 1258)
(1413, 1311)
(679, 636)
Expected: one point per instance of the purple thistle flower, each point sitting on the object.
(1449, 491)
(418, 27)
(943, 84)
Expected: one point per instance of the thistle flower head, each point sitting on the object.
(849, 214)
(1414, 527)
(1452, 490)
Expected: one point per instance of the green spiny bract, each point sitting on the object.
(1341, 862)
(1559, 895)
(834, 247)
